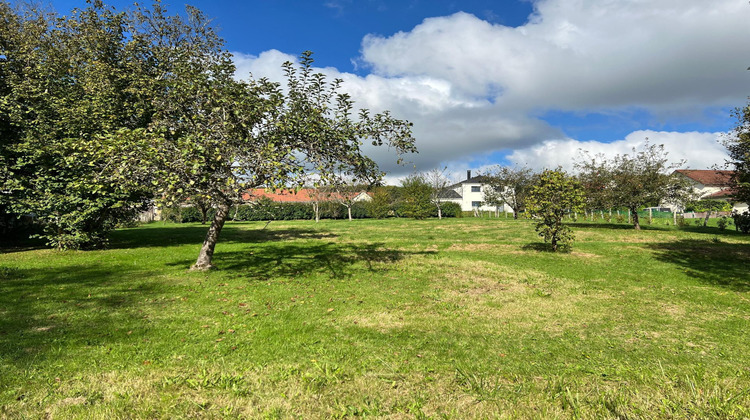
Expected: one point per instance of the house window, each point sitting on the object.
(476, 203)
(475, 188)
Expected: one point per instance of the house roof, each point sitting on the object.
(708, 177)
(479, 179)
(449, 194)
(303, 195)
(725, 193)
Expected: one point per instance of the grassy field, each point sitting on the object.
(462, 318)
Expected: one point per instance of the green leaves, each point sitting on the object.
(554, 195)
(641, 179)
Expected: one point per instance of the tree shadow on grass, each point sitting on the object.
(538, 247)
(546, 247)
(614, 226)
(175, 235)
(713, 263)
(75, 305)
(290, 259)
(46, 312)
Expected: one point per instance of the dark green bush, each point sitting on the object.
(187, 214)
(741, 221)
(450, 209)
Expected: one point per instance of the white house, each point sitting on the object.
(712, 184)
(470, 194)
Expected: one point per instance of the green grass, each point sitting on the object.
(462, 318)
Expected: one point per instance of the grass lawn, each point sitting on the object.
(461, 318)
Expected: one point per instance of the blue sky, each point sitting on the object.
(513, 82)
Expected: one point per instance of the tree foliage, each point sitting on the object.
(382, 202)
(508, 186)
(415, 197)
(642, 179)
(738, 145)
(71, 100)
(550, 198)
(103, 110)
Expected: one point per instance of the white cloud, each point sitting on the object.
(472, 88)
(697, 150)
(583, 54)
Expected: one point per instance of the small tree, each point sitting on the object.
(415, 195)
(72, 108)
(381, 204)
(553, 195)
(509, 186)
(596, 181)
(438, 183)
(345, 188)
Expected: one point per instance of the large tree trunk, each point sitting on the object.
(207, 250)
(440, 213)
(636, 223)
(515, 214)
(349, 209)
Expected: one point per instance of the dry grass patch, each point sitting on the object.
(379, 321)
(475, 247)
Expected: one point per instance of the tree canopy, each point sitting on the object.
(71, 96)
(551, 197)
(738, 145)
(506, 185)
(104, 110)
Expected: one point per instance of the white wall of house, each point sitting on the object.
(472, 196)
(362, 196)
(740, 207)
(704, 191)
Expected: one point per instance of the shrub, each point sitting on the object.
(554, 194)
(722, 223)
(701, 206)
(741, 221)
(450, 209)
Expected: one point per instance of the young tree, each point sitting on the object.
(381, 204)
(554, 194)
(596, 180)
(505, 185)
(415, 196)
(645, 178)
(345, 188)
(738, 145)
(438, 183)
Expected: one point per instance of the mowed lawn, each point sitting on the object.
(453, 318)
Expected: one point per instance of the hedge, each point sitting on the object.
(269, 210)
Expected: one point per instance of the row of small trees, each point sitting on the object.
(631, 181)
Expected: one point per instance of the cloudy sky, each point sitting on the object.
(513, 82)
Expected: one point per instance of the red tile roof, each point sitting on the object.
(304, 195)
(708, 177)
(725, 193)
